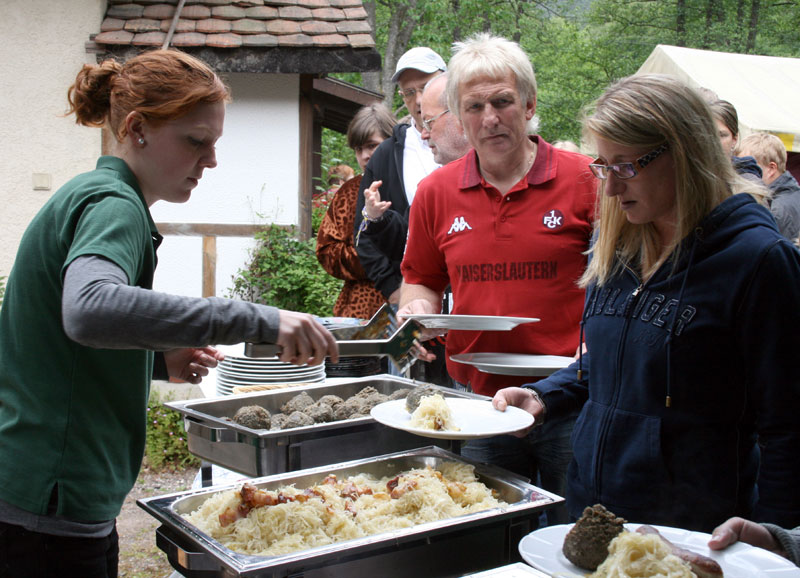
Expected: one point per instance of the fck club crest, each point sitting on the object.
(554, 219)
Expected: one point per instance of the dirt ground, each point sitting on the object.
(139, 556)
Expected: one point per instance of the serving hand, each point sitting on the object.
(191, 364)
(304, 340)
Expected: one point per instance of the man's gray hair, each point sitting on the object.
(491, 56)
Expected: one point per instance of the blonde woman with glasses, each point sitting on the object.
(689, 394)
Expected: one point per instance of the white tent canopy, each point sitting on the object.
(764, 89)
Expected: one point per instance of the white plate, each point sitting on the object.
(235, 373)
(514, 363)
(469, 322)
(476, 418)
(542, 550)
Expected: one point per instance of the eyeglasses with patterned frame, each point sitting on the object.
(627, 170)
(427, 123)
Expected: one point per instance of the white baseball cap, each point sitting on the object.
(420, 58)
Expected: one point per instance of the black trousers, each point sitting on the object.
(26, 554)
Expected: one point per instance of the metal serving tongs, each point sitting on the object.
(381, 336)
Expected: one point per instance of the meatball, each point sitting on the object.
(348, 409)
(278, 422)
(399, 394)
(297, 403)
(252, 416)
(366, 392)
(412, 399)
(370, 401)
(331, 400)
(319, 412)
(586, 544)
(298, 419)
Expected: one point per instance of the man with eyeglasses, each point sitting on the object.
(441, 129)
(394, 171)
(506, 226)
(399, 163)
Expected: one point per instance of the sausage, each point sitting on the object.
(701, 565)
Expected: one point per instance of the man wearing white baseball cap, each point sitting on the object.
(395, 169)
(400, 163)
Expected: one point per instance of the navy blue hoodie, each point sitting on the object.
(717, 337)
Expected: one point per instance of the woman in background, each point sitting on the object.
(335, 250)
(727, 120)
(80, 325)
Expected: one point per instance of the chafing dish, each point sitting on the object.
(451, 547)
(214, 437)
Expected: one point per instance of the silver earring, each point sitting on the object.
(141, 141)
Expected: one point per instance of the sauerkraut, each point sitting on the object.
(634, 555)
(433, 413)
(337, 510)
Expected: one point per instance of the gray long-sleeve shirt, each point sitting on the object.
(100, 309)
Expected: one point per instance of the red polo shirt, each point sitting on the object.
(516, 255)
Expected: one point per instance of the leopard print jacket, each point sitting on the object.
(337, 255)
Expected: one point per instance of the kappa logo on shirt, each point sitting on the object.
(554, 219)
(459, 224)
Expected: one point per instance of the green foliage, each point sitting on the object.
(2, 289)
(334, 152)
(166, 446)
(284, 272)
(578, 47)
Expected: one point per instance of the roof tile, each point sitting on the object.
(227, 12)
(149, 39)
(330, 40)
(143, 25)
(213, 26)
(295, 40)
(224, 40)
(355, 13)
(187, 39)
(110, 24)
(125, 11)
(114, 37)
(327, 14)
(345, 3)
(361, 40)
(196, 12)
(315, 27)
(183, 25)
(260, 40)
(261, 12)
(313, 3)
(353, 27)
(248, 26)
(282, 27)
(294, 13)
(159, 11)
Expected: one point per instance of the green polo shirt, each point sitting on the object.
(73, 417)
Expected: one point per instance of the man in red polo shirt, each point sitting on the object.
(506, 226)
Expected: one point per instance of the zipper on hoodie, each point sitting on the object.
(613, 403)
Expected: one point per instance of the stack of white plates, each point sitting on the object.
(237, 370)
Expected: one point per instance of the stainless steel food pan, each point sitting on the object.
(452, 547)
(215, 438)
